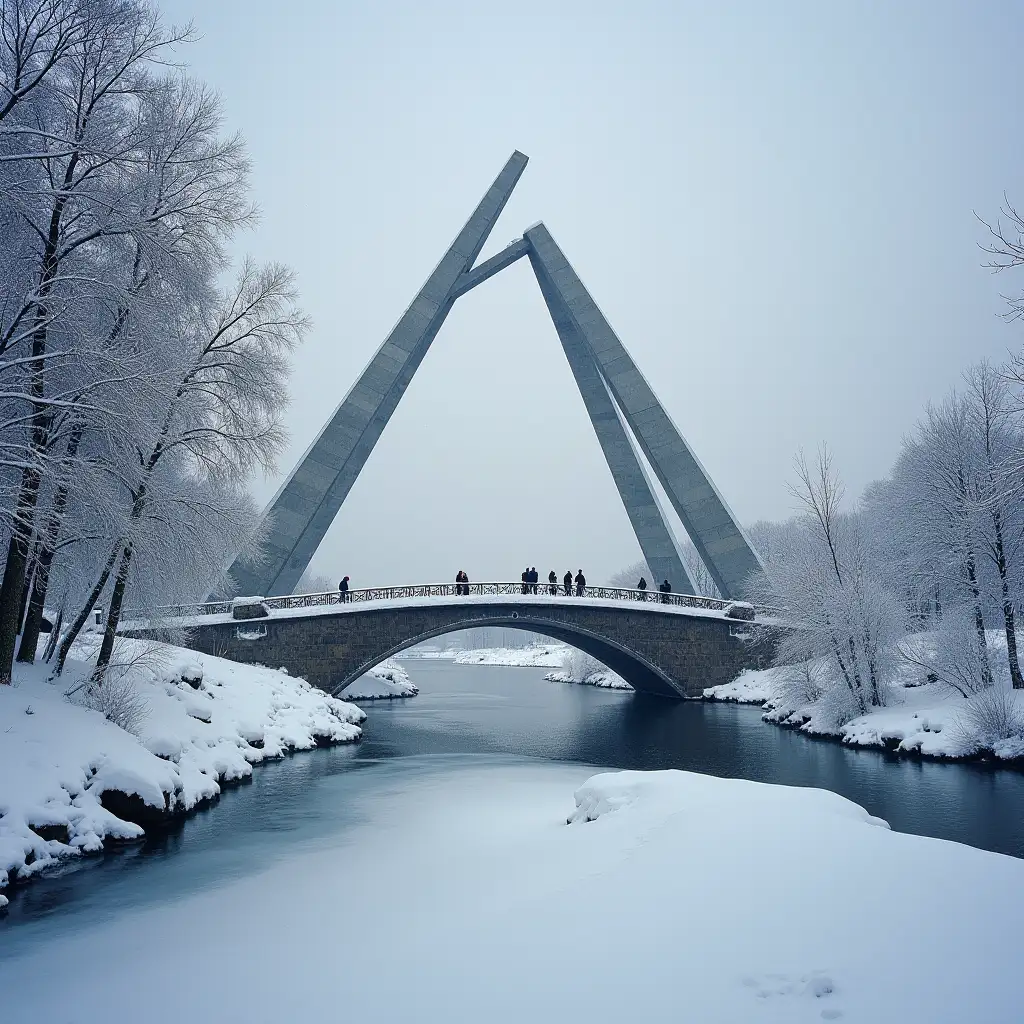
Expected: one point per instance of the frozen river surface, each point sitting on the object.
(436, 853)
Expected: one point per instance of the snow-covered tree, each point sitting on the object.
(837, 610)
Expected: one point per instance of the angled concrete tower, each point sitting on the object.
(661, 553)
(304, 508)
(718, 538)
(612, 388)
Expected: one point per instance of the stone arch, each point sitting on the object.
(634, 668)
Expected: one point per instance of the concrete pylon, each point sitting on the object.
(305, 506)
(660, 551)
(613, 390)
(720, 541)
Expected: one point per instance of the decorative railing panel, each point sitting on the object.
(427, 590)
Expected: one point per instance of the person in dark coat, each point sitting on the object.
(552, 583)
(526, 580)
(642, 587)
(534, 577)
(343, 590)
(581, 583)
(567, 582)
(666, 589)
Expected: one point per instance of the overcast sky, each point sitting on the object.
(772, 203)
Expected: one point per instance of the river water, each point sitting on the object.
(467, 716)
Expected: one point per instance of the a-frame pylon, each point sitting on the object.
(613, 390)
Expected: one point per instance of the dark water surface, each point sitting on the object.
(466, 715)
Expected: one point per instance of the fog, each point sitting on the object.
(772, 204)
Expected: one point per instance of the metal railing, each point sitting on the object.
(525, 590)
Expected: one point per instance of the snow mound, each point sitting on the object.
(606, 680)
(751, 686)
(386, 681)
(673, 794)
(206, 721)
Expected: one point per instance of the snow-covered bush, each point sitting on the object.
(118, 700)
(954, 656)
(990, 718)
(580, 666)
(799, 685)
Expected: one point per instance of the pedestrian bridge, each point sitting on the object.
(674, 644)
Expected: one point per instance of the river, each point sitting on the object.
(467, 716)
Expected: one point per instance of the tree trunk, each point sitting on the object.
(13, 584)
(1008, 613)
(114, 613)
(37, 600)
(979, 619)
(83, 615)
(51, 641)
(47, 546)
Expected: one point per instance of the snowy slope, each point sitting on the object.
(386, 681)
(57, 759)
(671, 897)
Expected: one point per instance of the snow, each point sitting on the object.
(749, 687)
(922, 718)
(606, 680)
(670, 897)
(58, 758)
(535, 656)
(385, 681)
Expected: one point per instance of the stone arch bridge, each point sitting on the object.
(674, 648)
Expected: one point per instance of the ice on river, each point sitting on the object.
(669, 897)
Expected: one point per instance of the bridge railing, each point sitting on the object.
(425, 590)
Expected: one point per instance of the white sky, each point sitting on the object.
(773, 205)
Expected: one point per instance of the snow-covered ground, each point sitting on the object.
(196, 721)
(670, 897)
(749, 687)
(535, 656)
(921, 718)
(579, 667)
(385, 681)
(606, 680)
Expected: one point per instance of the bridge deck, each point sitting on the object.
(309, 605)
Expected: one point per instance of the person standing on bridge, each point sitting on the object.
(343, 591)
(581, 583)
(534, 578)
(642, 587)
(552, 583)
(666, 589)
(567, 582)
(526, 580)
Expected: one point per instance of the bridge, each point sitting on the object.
(676, 647)
(672, 645)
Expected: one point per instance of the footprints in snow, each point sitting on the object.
(817, 985)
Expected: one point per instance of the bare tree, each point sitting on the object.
(840, 613)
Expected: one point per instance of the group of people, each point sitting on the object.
(530, 580)
(665, 588)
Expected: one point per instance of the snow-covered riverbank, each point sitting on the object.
(70, 780)
(924, 719)
(386, 681)
(603, 680)
(504, 931)
(537, 656)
